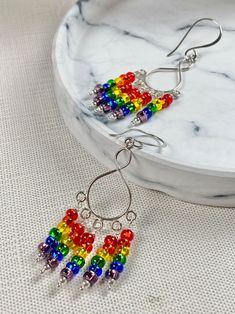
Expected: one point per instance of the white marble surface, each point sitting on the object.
(99, 40)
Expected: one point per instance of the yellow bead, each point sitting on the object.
(126, 98)
(67, 231)
(118, 80)
(125, 250)
(116, 92)
(101, 252)
(137, 105)
(80, 251)
(156, 100)
(159, 106)
(68, 241)
(62, 226)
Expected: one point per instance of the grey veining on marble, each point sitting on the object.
(99, 40)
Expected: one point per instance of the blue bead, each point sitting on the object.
(125, 110)
(117, 266)
(57, 255)
(74, 267)
(106, 87)
(96, 269)
(148, 112)
(113, 104)
(51, 241)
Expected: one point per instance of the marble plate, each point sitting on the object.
(100, 39)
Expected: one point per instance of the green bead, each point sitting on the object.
(110, 95)
(79, 260)
(98, 260)
(120, 258)
(120, 102)
(152, 107)
(63, 249)
(55, 233)
(111, 83)
(131, 106)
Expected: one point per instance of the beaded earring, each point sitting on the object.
(131, 92)
(71, 234)
(110, 257)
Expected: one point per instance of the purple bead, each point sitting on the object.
(112, 273)
(107, 108)
(52, 262)
(67, 273)
(91, 277)
(98, 88)
(119, 114)
(142, 116)
(43, 247)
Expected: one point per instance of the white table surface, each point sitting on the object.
(183, 260)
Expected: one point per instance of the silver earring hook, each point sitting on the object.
(137, 143)
(200, 46)
(186, 62)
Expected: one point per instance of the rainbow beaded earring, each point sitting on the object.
(131, 92)
(71, 234)
(116, 245)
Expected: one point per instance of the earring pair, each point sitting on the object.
(131, 92)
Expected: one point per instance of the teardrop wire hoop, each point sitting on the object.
(129, 144)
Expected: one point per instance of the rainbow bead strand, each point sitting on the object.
(55, 247)
(120, 96)
(156, 105)
(103, 254)
(119, 259)
(84, 246)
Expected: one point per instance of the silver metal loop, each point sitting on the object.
(81, 197)
(131, 216)
(98, 224)
(116, 225)
(85, 213)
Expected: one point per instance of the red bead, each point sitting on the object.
(88, 247)
(123, 242)
(72, 213)
(68, 220)
(128, 87)
(78, 228)
(127, 234)
(110, 249)
(76, 238)
(168, 98)
(136, 92)
(110, 240)
(88, 238)
(131, 76)
(146, 98)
